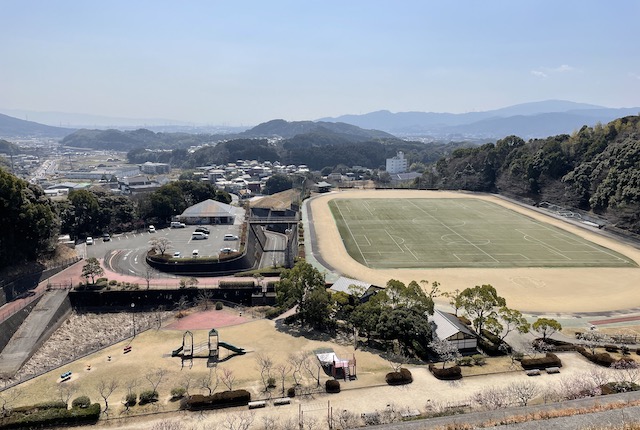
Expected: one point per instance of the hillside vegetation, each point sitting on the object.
(595, 169)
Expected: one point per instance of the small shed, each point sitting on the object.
(449, 327)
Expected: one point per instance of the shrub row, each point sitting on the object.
(549, 360)
(225, 399)
(449, 373)
(477, 359)
(601, 358)
(332, 386)
(51, 417)
(399, 378)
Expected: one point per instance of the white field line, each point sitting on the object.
(394, 241)
(352, 236)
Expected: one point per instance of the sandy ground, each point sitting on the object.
(531, 290)
(368, 393)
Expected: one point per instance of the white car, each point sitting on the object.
(196, 235)
(230, 237)
(176, 254)
(152, 229)
(89, 240)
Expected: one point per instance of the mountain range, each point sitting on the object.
(527, 120)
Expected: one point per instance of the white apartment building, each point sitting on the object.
(397, 164)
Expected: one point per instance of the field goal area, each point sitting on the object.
(458, 232)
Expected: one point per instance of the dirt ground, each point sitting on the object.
(151, 351)
(530, 290)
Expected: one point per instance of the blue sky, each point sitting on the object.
(245, 62)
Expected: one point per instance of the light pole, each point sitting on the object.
(133, 318)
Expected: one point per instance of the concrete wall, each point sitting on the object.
(9, 326)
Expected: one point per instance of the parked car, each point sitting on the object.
(89, 240)
(227, 250)
(152, 229)
(106, 237)
(194, 253)
(203, 230)
(230, 237)
(175, 224)
(198, 235)
(176, 254)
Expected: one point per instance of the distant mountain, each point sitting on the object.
(286, 129)
(527, 120)
(13, 127)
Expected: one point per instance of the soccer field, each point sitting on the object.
(467, 232)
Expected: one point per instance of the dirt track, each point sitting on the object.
(531, 290)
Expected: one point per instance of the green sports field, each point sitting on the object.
(467, 232)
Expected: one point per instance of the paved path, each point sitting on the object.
(24, 342)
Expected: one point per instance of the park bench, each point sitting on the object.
(66, 375)
(127, 349)
(553, 370)
(533, 372)
(410, 413)
(257, 404)
(281, 401)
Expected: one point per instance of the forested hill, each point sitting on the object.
(594, 169)
(286, 129)
(118, 140)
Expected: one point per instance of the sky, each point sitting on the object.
(245, 62)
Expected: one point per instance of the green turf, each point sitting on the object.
(434, 233)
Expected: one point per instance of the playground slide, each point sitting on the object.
(231, 347)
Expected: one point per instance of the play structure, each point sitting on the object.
(335, 366)
(209, 349)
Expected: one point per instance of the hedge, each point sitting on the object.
(236, 284)
(51, 417)
(549, 360)
(332, 386)
(601, 358)
(399, 378)
(81, 402)
(225, 399)
(449, 373)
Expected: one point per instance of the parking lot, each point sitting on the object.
(183, 241)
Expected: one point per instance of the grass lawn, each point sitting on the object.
(467, 232)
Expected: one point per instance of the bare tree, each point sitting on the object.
(627, 369)
(187, 380)
(155, 377)
(228, 378)
(105, 389)
(492, 398)
(158, 314)
(289, 424)
(66, 391)
(7, 399)
(148, 274)
(269, 423)
(167, 425)
(599, 376)
(523, 391)
(265, 363)
(312, 366)
(296, 360)
(210, 382)
(283, 370)
(578, 387)
(204, 299)
(239, 421)
(446, 350)
(160, 244)
(347, 419)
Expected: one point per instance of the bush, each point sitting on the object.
(271, 313)
(291, 392)
(148, 396)
(602, 358)
(332, 386)
(549, 360)
(113, 282)
(219, 306)
(449, 373)
(101, 280)
(178, 392)
(479, 359)
(271, 382)
(81, 402)
(38, 417)
(131, 399)
(611, 348)
(464, 361)
(399, 378)
(619, 387)
(218, 400)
